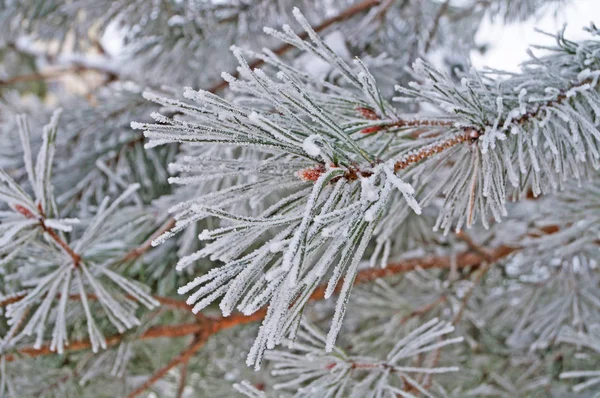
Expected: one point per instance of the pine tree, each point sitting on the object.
(349, 210)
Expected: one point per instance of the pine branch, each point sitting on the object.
(424, 309)
(299, 173)
(182, 379)
(181, 359)
(147, 245)
(44, 75)
(304, 129)
(463, 260)
(481, 272)
(472, 134)
(344, 373)
(130, 256)
(215, 325)
(64, 245)
(436, 23)
(205, 327)
(44, 391)
(342, 16)
(169, 302)
(155, 332)
(50, 231)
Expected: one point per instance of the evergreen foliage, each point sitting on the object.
(351, 209)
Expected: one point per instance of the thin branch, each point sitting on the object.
(424, 309)
(474, 246)
(489, 261)
(31, 77)
(215, 325)
(342, 16)
(182, 379)
(170, 331)
(147, 245)
(436, 24)
(44, 391)
(64, 245)
(471, 134)
(390, 124)
(41, 218)
(463, 260)
(238, 319)
(467, 259)
(183, 357)
(430, 150)
(168, 302)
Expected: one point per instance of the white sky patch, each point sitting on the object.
(508, 43)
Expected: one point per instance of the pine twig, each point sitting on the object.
(433, 149)
(436, 24)
(342, 16)
(133, 254)
(57, 383)
(183, 357)
(466, 259)
(64, 245)
(489, 261)
(147, 245)
(424, 309)
(182, 379)
(167, 301)
(170, 331)
(46, 75)
(215, 325)
(470, 134)
(41, 217)
(474, 246)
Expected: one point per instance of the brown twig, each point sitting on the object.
(436, 24)
(424, 309)
(182, 379)
(41, 217)
(147, 245)
(474, 246)
(215, 325)
(481, 272)
(183, 357)
(168, 302)
(52, 233)
(170, 331)
(402, 123)
(47, 75)
(342, 16)
(462, 260)
(467, 259)
(428, 151)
